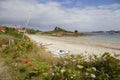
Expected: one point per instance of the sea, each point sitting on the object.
(109, 37)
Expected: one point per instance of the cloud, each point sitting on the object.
(112, 6)
(50, 14)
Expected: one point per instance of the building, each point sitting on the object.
(21, 29)
(2, 28)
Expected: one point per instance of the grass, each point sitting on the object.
(16, 55)
(5, 36)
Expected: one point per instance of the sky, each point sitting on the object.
(81, 15)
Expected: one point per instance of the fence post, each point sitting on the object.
(11, 42)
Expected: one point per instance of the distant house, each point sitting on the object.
(21, 29)
(2, 29)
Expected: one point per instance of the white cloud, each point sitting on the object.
(112, 6)
(51, 14)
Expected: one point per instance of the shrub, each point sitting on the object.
(13, 32)
(19, 46)
(72, 67)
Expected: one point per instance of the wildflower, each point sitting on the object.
(71, 77)
(65, 62)
(80, 66)
(86, 74)
(54, 64)
(74, 75)
(93, 75)
(94, 68)
(26, 61)
(89, 69)
(73, 60)
(62, 70)
(53, 74)
(15, 64)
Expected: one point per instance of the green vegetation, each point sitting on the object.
(26, 61)
(62, 32)
(9, 31)
(12, 32)
(73, 67)
(32, 31)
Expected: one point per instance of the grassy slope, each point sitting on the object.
(14, 56)
(5, 36)
(5, 73)
(63, 32)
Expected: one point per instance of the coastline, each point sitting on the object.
(105, 37)
(76, 45)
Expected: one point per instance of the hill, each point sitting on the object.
(62, 32)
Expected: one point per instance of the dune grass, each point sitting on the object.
(23, 57)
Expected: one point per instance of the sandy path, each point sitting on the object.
(77, 45)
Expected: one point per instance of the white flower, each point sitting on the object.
(86, 74)
(74, 75)
(54, 64)
(62, 70)
(65, 62)
(71, 77)
(94, 68)
(15, 64)
(80, 66)
(53, 74)
(73, 60)
(93, 75)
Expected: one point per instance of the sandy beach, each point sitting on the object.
(76, 45)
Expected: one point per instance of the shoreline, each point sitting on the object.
(105, 38)
(77, 45)
(104, 41)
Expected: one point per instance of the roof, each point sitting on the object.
(2, 28)
(20, 28)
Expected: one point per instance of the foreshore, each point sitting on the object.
(77, 45)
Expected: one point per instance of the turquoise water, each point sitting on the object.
(105, 37)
